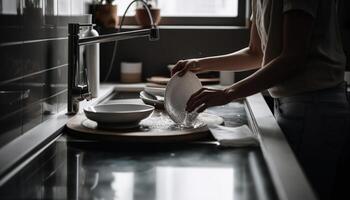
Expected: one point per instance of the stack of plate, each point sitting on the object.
(153, 96)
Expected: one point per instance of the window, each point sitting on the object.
(194, 12)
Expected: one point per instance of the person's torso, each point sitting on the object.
(326, 60)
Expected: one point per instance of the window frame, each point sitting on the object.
(240, 20)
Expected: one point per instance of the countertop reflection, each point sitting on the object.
(78, 169)
(74, 168)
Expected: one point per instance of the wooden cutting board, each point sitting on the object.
(164, 80)
(157, 128)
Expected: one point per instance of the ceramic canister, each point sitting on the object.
(130, 72)
(227, 77)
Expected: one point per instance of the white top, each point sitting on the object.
(326, 61)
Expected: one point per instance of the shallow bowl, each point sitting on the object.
(118, 113)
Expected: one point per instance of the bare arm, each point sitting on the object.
(242, 60)
(297, 27)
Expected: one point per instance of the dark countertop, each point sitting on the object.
(74, 168)
(46, 163)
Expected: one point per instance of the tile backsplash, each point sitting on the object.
(33, 60)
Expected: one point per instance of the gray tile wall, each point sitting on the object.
(33, 61)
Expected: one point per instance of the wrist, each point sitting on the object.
(200, 65)
(231, 93)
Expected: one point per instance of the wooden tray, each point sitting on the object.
(148, 131)
(164, 80)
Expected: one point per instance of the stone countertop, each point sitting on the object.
(93, 169)
(139, 167)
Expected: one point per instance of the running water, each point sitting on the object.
(161, 121)
(190, 119)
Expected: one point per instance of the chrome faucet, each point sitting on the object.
(79, 92)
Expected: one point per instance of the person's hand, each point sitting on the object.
(183, 66)
(207, 97)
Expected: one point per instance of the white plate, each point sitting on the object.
(150, 99)
(118, 113)
(178, 92)
(155, 91)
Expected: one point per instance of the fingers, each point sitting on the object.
(204, 98)
(185, 65)
(195, 95)
(199, 101)
(190, 65)
(198, 92)
(202, 107)
(184, 70)
(178, 67)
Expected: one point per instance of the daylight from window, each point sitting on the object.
(189, 8)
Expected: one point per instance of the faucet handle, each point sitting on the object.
(82, 93)
(154, 34)
(87, 96)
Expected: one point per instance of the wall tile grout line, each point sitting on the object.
(31, 41)
(38, 101)
(54, 95)
(31, 74)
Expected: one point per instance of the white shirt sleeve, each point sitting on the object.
(308, 6)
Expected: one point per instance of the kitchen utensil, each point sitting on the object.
(178, 92)
(151, 99)
(118, 113)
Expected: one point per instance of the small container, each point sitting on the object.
(227, 77)
(106, 15)
(130, 72)
(142, 17)
(347, 77)
(92, 60)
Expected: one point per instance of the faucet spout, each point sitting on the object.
(76, 91)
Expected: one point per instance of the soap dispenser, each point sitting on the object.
(92, 61)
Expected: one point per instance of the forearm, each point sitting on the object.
(241, 60)
(277, 71)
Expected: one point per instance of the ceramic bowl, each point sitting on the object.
(178, 92)
(150, 99)
(118, 113)
(155, 91)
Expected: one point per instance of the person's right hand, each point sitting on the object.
(183, 66)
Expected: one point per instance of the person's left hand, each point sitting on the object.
(206, 97)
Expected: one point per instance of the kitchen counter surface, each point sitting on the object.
(74, 168)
